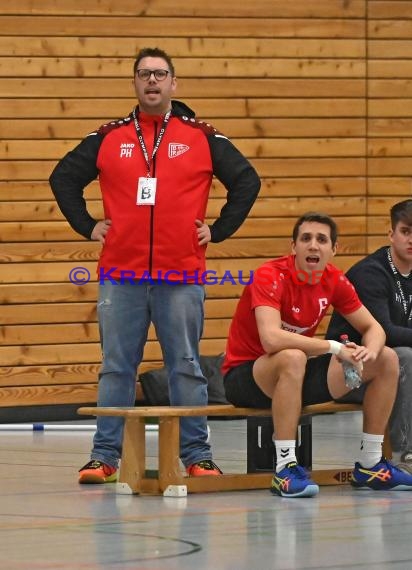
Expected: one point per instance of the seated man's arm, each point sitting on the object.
(274, 339)
(373, 335)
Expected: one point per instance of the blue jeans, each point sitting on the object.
(400, 423)
(125, 312)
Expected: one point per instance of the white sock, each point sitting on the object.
(370, 450)
(285, 452)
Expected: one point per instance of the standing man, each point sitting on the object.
(155, 169)
(383, 281)
(273, 360)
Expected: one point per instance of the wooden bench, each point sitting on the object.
(169, 480)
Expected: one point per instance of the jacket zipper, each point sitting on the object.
(153, 174)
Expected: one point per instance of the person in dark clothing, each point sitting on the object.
(383, 281)
(155, 170)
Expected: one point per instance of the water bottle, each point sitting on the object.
(352, 378)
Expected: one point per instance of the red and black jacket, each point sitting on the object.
(160, 238)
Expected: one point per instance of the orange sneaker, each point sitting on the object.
(97, 472)
(202, 468)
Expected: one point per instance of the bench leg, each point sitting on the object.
(133, 464)
(169, 450)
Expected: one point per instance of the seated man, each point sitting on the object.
(270, 357)
(383, 281)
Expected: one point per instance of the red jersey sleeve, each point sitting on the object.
(266, 289)
(345, 299)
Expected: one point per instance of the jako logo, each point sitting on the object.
(126, 150)
(176, 149)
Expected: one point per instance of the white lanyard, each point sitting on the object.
(395, 272)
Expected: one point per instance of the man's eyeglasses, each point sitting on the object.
(145, 74)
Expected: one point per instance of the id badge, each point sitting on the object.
(146, 191)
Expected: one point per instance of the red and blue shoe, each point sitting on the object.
(384, 476)
(293, 481)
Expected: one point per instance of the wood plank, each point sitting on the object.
(48, 313)
(268, 147)
(27, 45)
(273, 248)
(385, 68)
(76, 129)
(133, 470)
(187, 67)
(351, 166)
(75, 353)
(397, 166)
(182, 27)
(72, 333)
(394, 185)
(46, 395)
(36, 231)
(228, 410)
(34, 87)
(375, 242)
(102, 109)
(12, 232)
(85, 373)
(388, 28)
(396, 127)
(41, 211)
(381, 206)
(49, 334)
(390, 88)
(58, 272)
(53, 251)
(86, 312)
(88, 250)
(297, 9)
(351, 205)
(390, 48)
(389, 9)
(84, 332)
(39, 190)
(30, 293)
(11, 190)
(67, 293)
(306, 107)
(390, 107)
(384, 146)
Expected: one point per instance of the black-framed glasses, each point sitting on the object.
(159, 74)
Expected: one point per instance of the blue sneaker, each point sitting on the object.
(293, 481)
(384, 476)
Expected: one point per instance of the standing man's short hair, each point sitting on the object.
(154, 52)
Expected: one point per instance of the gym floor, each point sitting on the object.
(48, 521)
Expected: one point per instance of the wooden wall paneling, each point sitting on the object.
(262, 8)
(193, 46)
(287, 86)
(389, 111)
(176, 26)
